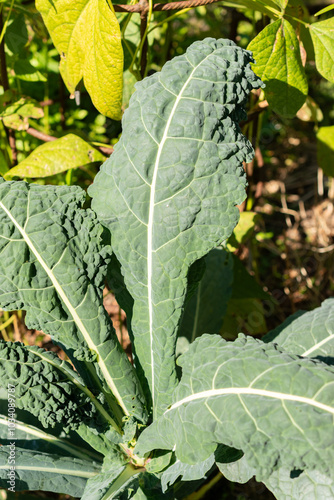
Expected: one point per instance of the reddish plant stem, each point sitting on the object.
(40, 135)
(143, 25)
(107, 150)
(5, 84)
(184, 4)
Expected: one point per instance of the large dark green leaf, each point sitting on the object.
(169, 190)
(41, 471)
(276, 407)
(53, 265)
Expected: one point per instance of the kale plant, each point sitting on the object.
(164, 200)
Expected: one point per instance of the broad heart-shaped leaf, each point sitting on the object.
(169, 190)
(278, 62)
(52, 265)
(308, 334)
(276, 407)
(300, 485)
(56, 156)
(322, 34)
(87, 36)
(325, 149)
(42, 471)
(205, 310)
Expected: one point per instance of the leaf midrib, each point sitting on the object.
(151, 219)
(248, 391)
(69, 306)
(55, 470)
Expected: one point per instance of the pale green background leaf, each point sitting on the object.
(56, 156)
(325, 149)
(278, 63)
(87, 36)
(322, 34)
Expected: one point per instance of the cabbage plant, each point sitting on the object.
(97, 426)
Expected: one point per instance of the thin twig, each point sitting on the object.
(143, 36)
(185, 4)
(40, 135)
(5, 84)
(107, 150)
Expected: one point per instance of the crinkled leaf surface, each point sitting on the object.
(169, 190)
(44, 385)
(56, 156)
(275, 407)
(278, 64)
(322, 34)
(87, 36)
(204, 313)
(42, 471)
(53, 265)
(307, 485)
(307, 334)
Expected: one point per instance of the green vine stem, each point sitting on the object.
(4, 79)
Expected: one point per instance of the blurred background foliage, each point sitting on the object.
(59, 123)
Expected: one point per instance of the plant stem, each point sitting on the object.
(168, 19)
(7, 323)
(4, 25)
(205, 488)
(128, 472)
(185, 4)
(5, 82)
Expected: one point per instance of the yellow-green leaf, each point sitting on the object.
(10, 104)
(310, 111)
(325, 144)
(243, 230)
(322, 34)
(86, 34)
(278, 63)
(57, 156)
